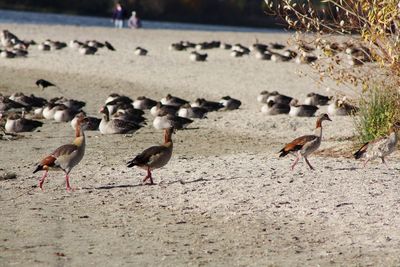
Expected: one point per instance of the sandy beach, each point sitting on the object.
(225, 198)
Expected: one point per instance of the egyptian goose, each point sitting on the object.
(116, 126)
(165, 120)
(380, 147)
(143, 103)
(173, 100)
(297, 110)
(65, 157)
(209, 105)
(272, 108)
(160, 108)
(186, 111)
(279, 98)
(317, 99)
(341, 108)
(154, 157)
(230, 103)
(140, 51)
(305, 145)
(16, 123)
(196, 56)
(91, 125)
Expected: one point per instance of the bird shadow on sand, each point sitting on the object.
(106, 187)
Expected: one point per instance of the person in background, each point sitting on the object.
(118, 16)
(134, 21)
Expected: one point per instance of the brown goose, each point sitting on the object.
(173, 100)
(306, 144)
(66, 157)
(154, 157)
(143, 103)
(380, 147)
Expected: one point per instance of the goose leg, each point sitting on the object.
(296, 161)
(148, 176)
(365, 163)
(41, 181)
(308, 163)
(67, 182)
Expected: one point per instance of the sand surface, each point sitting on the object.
(225, 198)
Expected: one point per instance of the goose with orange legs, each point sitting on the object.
(66, 157)
(306, 144)
(154, 157)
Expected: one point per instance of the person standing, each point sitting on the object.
(134, 21)
(118, 16)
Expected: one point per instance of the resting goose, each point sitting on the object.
(209, 105)
(165, 120)
(154, 157)
(230, 103)
(7, 104)
(64, 113)
(305, 145)
(272, 108)
(173, 101)
(380, 147)
(143, 103)
(49, 110)
(341, 108)
(116, 126)
(263, 97)
(317, 99)
(279, 98)
(66, 157)
(140, 51)
(186, 111)
(195, 56)
(91, 125)
(17, 123)
(297, 110)
(160, 108)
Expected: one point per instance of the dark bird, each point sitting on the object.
(43, 83)
(109, 46)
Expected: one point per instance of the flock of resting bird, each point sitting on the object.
(122, 115)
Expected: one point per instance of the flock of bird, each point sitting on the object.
(276, 103)
(122, 114)
(15, 47)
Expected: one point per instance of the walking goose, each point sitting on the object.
(66, 157)
(154, 157)
(380, 147)
(306, 144)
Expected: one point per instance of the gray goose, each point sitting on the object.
(297, 110)
(139, 51)
(143, 103)
(209, 105)
(186, 111)
(173, 100)
(230, 103)
(272, 108)
(380, 147)
(154, 157)
(317, 99)
(66, 157)
(160, 108)
(165, 121)
(116, 126)
(279, 98)
(16, 123)
(306, 144)
(7, 104)
(91, 125)
(196, 56)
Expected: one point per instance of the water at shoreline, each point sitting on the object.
(25, 17)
